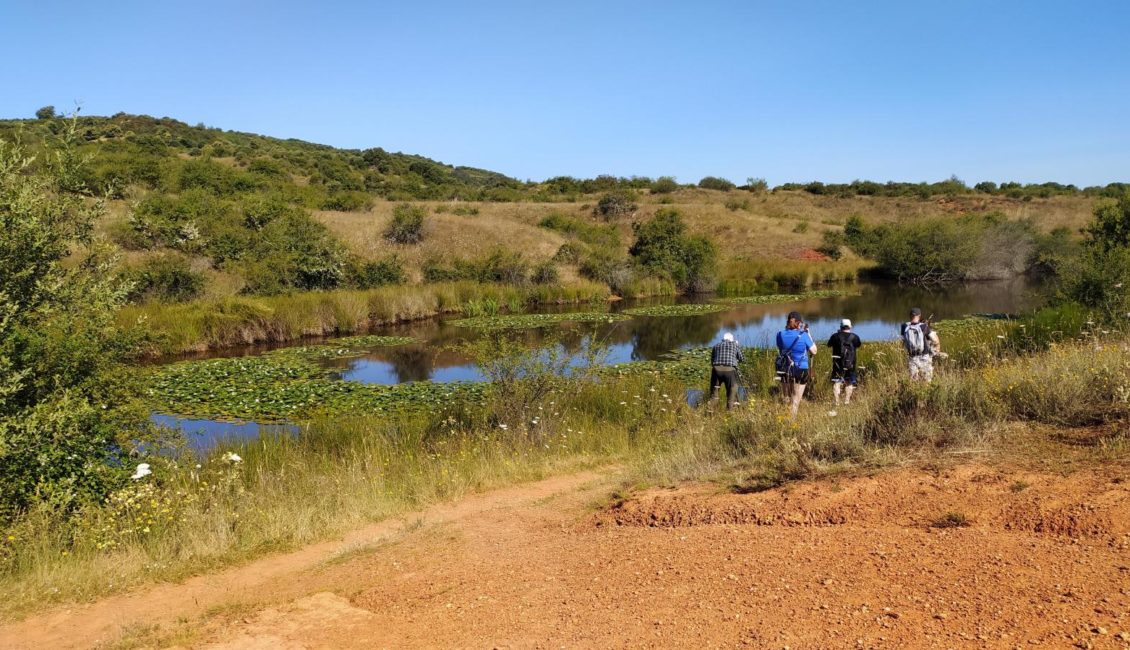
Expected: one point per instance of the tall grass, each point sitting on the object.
(204, 324)
(753, 276)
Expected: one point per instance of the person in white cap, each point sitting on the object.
(724, 360)
(844, 344)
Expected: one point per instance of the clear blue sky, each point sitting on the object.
(1028, 90)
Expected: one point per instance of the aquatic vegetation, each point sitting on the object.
(528, 321)
(677, 310)
(285, 385)
(352, 346)
(776, 298)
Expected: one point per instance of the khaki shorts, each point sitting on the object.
(922, 367)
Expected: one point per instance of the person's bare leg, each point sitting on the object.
(798, 394)
(837, 386)
(847, 394)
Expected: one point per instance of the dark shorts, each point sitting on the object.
(845, 376)
(798, 375)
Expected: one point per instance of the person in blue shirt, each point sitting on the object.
(795, 345)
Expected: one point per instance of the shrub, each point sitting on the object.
(502, 266)
(68, 421)
(663, 247)
(664, 185)
(568, 253)
(734, 204)
(369, 274)
(465, 210)
(349, 201)
(832, 244)
(545, 273)
(407, 225)
(757, 185)
(597, 235)
(615, 204)
(166, 278)
(801, 227)
(45, 113)
(716, 183)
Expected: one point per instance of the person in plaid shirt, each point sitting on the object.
(724, 360)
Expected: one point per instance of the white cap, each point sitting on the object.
(846, 323)
(727, 337)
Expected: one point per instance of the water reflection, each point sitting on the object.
(204, 434)
(876, 313)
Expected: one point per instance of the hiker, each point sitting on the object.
(844, 344)
(921, 344)
(724, 359)
(794, 344)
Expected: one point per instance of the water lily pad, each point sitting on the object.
(529, 321)
(677, 310)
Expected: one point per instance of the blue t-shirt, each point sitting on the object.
(798, 350)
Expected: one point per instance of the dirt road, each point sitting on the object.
(1031, 559)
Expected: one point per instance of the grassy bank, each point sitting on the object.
(208, 324)
(194, 514)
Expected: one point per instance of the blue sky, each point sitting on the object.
(789, 91)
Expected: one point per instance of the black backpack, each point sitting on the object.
(847, 351)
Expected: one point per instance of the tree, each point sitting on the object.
(716, 183)
(615, 204)
(1110, 226)
(66, 406)
(663, 248)
(45, 113)
(664, 185)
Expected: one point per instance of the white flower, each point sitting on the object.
(142, 471)
(232, 457)
(623, 403)
(503, 427)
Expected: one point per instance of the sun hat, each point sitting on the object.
(845, 323)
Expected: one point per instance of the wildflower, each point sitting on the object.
(142, 471)
(623, 403)
(503, 427)
(232, 457)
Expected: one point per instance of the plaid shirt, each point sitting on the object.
(726, 353)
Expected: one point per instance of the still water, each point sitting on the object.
(876, 314)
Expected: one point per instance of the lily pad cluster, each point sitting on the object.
(678, 310)
(352, 346)
(276, 386)
(777, 298)
(530, 321)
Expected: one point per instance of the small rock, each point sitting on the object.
(941, 616)
(1098, 629)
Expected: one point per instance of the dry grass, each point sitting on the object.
(765, 227)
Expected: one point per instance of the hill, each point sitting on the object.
(198, 211)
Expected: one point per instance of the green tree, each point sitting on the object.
(66, 411)
(716, 183)
(664, 185)
(45, 113)
(664, 248)
(1110, 227)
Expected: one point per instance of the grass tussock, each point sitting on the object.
(752, 276)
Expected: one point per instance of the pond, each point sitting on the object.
(876, 310)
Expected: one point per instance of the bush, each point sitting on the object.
(734, 204)
(545, 273)
(663, 247)
(353, 201)
(166, 278)
(832, 244)
(68, 421)
(45, 113)
(501, 266)
(407, 225)
(615, 204)
(568, 253)
(370, 274)
(596, 235)
(801, 227)
(716, 183)
(757, 185)
(664, 185)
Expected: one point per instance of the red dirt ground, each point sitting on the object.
(855, 562)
